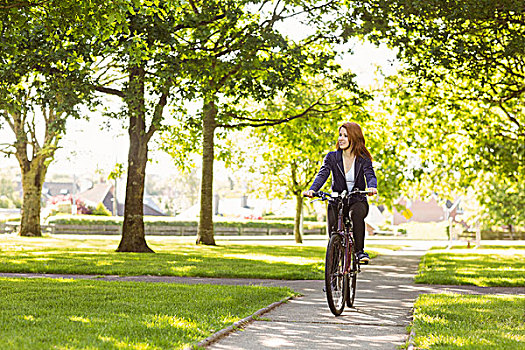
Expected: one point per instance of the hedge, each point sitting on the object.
(164, 221)
(288, 218)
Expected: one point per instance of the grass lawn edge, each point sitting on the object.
(238, 325)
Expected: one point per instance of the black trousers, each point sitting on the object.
(359, 211)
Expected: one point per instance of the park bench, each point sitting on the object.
(468, 236)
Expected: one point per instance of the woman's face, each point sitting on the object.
(343, 139)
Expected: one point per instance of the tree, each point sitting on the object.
(475, 47)
(144, 57)
(465, 73)
(42, 76)
(243, 57)
(502, 201)
(292, 152)
(446, 154)
(290, 158)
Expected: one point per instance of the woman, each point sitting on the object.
(350, 166)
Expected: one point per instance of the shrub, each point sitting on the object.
(17, 201)
(166, 221)
(100, 210)
(6, 202)
(289, 218)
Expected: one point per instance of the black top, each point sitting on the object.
(333, 163)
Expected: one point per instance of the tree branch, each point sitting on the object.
(271, 122)
(8, 120)
(31, 129)
(157, 115)
(110, 91)
(307, 10)
(22, 4)
(507, 113)
(193, 6)
(185, 26)
(4, 148)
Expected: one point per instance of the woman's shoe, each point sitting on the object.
(363, 258)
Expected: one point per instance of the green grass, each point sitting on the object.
(451, 321)
(480, 267)
(98, 257)
(489, 246)
(73, 314)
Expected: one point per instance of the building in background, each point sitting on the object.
(432, 210)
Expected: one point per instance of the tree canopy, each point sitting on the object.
(474, 51)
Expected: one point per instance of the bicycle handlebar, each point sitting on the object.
(325, 196)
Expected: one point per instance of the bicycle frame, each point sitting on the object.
(344, 229)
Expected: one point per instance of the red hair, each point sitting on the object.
(356, 139)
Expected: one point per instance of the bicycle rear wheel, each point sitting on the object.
(335, 286)
(352, 282)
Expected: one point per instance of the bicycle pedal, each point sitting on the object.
(362, 262)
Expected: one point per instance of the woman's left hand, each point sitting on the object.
(373, 191)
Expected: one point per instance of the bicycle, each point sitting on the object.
(341, 265)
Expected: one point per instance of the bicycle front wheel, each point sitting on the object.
(335, 286)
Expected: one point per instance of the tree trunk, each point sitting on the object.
(298, 224)
(205, 231)
(133, 236)
(32, 181)
(511, 231)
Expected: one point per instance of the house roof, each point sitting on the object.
(152, 206)
(452, 205)
(52, 189)
(149, 209)
(96, 194)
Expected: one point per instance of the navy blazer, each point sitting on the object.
(333, 163)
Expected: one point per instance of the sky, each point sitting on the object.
(99, 143)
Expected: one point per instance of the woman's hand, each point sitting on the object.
(308, 193)
(373, 191)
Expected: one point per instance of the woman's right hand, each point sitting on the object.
(308, 193)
